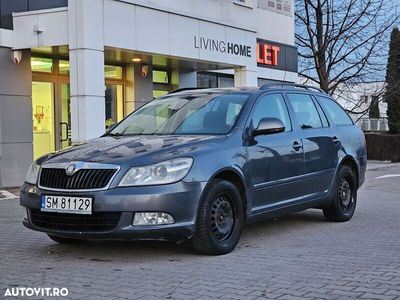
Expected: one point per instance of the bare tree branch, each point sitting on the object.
(343, 43)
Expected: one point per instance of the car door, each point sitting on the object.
(275, 160)
(319, 145)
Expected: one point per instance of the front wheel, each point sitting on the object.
(220, 219)
(345, 199)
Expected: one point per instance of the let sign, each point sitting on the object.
(267, 54)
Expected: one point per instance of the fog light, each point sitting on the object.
(152, 218)
(32, 190)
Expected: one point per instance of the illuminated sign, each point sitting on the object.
(267, 54)
(276, 55)
(214, 45)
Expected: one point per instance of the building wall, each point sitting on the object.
(170, 29)
(7, 7)
(243, 14)
(15, 118)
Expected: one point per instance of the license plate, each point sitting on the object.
(64, 204)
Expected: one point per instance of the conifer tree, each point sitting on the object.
(393, 82)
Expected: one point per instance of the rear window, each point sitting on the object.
(335, 112)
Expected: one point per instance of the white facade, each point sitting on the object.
(357, 99)
(184, 37)
(176, 28)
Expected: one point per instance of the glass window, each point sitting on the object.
(232, 113)
(43, 118)
(158, 93)
(322, 115)
(306, 112)
(224, 81)
(63, 67)
(112, 72)
(114, 104)
(160, 76)
(40, 64)
(185, 114)
(65, 134)
(335, 112)
(272, 106)
(207, 80)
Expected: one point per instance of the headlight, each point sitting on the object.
(33, 173)
(162, 173)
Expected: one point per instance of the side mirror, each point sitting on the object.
(268, 126)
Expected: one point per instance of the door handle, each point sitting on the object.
(336, 141)
(297, 145)
(66, 132)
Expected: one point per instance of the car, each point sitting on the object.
(199, 164)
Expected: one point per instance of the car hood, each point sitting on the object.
(118, 150)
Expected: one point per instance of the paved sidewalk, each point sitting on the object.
(300, 256)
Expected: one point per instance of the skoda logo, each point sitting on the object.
(70, 170)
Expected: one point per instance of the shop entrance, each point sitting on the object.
(51, 112)
(51, 115)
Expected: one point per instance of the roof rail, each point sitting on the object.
(293, 85)
(185, 89)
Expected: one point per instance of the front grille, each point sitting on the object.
(96, 222)
(83, 179)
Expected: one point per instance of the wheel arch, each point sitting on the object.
(351, 163)
(233, 175)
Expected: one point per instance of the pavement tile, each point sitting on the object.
(300, 256)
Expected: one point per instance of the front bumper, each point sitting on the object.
(180, 200)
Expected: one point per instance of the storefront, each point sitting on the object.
(51, 113)
(90, 65)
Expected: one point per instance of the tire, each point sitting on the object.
(220, 219)
(64, 240)
(345, 198)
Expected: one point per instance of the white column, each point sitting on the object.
(86, 55)
(245, 76)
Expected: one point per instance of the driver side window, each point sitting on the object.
(272, 106)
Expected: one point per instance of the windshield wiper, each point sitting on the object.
(114, 134)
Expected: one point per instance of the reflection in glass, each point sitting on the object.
(112, 72)
(63, 67)
(65, 122)
(43, 118)
(114, 104)
(160, 76)
(40, 64)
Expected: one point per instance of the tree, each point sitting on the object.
(374, 108)
(343, 42)
(393, 82)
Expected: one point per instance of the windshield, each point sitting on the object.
(187, 113)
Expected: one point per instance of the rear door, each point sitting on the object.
(319, 145)
(275, 161)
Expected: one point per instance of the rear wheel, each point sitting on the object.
(345, 199)
(220, 219)
(64, 240)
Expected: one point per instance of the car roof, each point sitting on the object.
(251, 90)
(194, 91)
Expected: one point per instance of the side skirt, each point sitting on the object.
(287, 209)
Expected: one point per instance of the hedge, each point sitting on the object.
(383, 146)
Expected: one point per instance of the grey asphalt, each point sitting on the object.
(300, 256)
